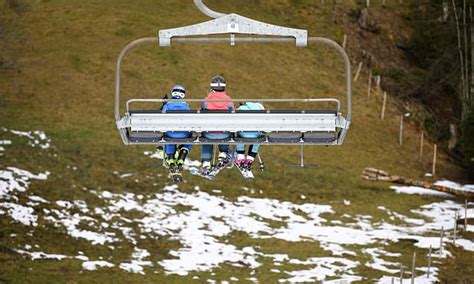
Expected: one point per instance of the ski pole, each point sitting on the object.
(260, 161)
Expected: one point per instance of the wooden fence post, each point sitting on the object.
(441, 242)
(369, 88)
(413, 268)
(382, 115)
(435, 153)
(422, 138)
(465, 215)
(358, 71)
(455, 227)
(401, 272)
(429, 262)
(400, 138)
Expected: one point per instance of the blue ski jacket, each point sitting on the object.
(177, 106)
(250, 106)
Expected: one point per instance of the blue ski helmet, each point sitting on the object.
(178, 92)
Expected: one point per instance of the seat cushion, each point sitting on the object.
(260, 139)
(180, 140)
(285, 137)
(319, 137)
(145, 137)
(207, 140)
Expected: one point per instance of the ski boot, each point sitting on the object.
(225, 160)
(240, 161)
(173, 170)
(248, 164)
(206, 168)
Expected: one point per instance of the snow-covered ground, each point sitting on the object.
(203, 223)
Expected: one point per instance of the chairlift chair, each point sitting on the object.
(280, 127)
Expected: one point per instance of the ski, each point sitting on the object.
(228, 163)
(197, 172)
(247, 174)
(176, 175)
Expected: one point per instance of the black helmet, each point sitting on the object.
(218, 83)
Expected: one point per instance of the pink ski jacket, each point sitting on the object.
(218, 105)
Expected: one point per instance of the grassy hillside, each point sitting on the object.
(61, 81)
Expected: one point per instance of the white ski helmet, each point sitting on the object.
(218, 83)
(178, 92)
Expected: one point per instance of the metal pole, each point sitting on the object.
(401, 272)
(455, 227)
(206, 11)
(441, 242)
(260, 161)
(302, 155)
(413, 266)
(133, 44)
(465, 215)
(401, 131)
(429, 262)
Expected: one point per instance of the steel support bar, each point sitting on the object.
(331, 100)
(206, 11)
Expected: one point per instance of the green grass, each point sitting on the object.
(64, 85)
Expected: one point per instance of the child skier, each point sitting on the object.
(218, 87)
(245, 162)
(174, 165)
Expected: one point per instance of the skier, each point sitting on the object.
(175, 165)
(244, 162)
(218, 92)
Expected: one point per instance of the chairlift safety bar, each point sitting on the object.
(331, 100)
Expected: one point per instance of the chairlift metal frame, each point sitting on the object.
(147, 127)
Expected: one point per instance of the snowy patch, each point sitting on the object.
(419, 190)
(456, 186)
(324, 267)
(93, 265)
(42, 255)
(36, 138)
(20, 213)
(137, 263)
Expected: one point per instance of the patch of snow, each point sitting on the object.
(456, 186)
(42, 255)
(20, 213)
(92, 265)
(419, 190)
(37, 199)
(126, 175)
(324, 267)
(137, 263)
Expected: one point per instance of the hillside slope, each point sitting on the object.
(60, 80)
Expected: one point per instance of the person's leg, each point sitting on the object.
(252, 154)
(240, 154)
(206, 153)
(170, 151)
(183, 153)
(223, 148)
(253, 150)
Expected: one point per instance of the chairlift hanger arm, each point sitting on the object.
(206, 11)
